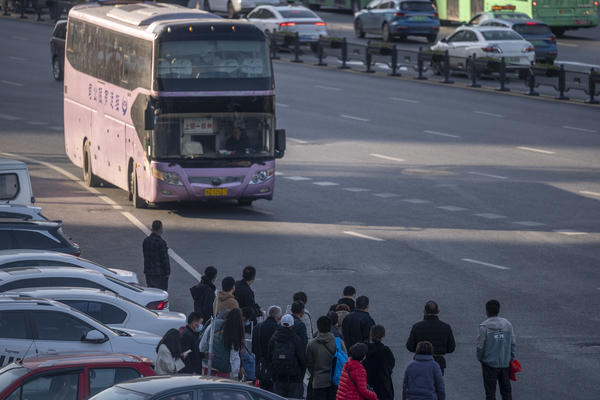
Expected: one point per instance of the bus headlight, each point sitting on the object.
(172, 178)
(261, 176)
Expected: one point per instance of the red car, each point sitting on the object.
(72, 377)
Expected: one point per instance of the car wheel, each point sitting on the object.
(89, 178)
(431, 38)
(385, 33)
(206, 5)
(358, 29)
(57, 71)
(558, 31)
(138, 202)
(244, 202)
(356, 6)
(231, 14)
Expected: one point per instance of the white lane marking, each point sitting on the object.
(354, 118)
(11, 83)
(36, 123)
(569, 232)
(568, 45)
(488, 175)
(56, 128)
(529, 223)
(387, 157)
(451, 208)
(535, 150)
(574, 128)
(281, 105)
(405, 100)
(489, 114)
(297, 140)
(326, 184)
(360, 235)
(416, 201)
(126, 214)
(297, 178)
(261, 211)
(441, 134)
(277, 173)
(386, 195)
(10, 117)
(337, 89)
(16, 58)
(110, 201)
(470, 260)
(490, 216)
(356, 190)
(589, 193)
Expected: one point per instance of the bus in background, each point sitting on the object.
(169, 103)
(354, 5)
(559, 15)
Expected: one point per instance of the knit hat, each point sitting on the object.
(287, 320)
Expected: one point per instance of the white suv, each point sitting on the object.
(30, 326)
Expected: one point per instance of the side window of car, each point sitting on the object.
(386, 5)
(102, 378)
(55, 325)
(26, 283)
(17, 264)
(180, 396)
(373, 4)
(106, 313)
(13, 325)
(470, 36)
(457, 37)
(59, 386)
(268, 14)
(9, 186)
(80, 305)
(6, 242)
(34, 240)
(224, 394)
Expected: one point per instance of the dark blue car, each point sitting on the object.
(398, 19)
(535, 32)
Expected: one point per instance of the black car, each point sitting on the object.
(184, 387)
(57, 49)
(36, 235)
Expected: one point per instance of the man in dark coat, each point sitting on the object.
(356, 326)
(260, 346)
(299, 326)
(190, 340)
(347, 298)
(244, 293)
(380, 363)
(204, 293)
(432, 330)
(156, 258)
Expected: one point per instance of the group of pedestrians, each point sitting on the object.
(343, 359)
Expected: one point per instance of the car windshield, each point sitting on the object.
(297, 14)
(416, 6)
(532, 28)
(11, 373)
(501, 35)
(117, 392)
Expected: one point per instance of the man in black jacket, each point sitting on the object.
(156, 258)
(260, 346)
(244, 293)
(190, 340)
(433, 330)
(357, 325)
(204, 293)
(299, 327)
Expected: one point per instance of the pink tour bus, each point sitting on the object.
(169, 103)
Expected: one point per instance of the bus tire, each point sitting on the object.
(138, 202)
(244, 202)
(57, 71)
(89, 178)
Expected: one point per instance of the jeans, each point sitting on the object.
(327, 393)
(490, 376)
(158, 281)
(289, 389)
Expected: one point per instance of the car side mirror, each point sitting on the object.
(279, 143)
(94, 336)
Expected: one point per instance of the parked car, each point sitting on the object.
(75, 376)
(38, 235)
(30, 326)
(484, 42)
(235, 8)
(57, 49)
(12, 279)
(398, 19)
(44, 258)
(535, 32)
(110, 308)
(306, 23)
(15, 183)
(482, 17)
(184, 387)
(23, 212)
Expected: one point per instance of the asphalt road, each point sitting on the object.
(408, 191)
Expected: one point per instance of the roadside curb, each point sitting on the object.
(31, 19)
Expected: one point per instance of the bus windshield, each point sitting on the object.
(208, 65)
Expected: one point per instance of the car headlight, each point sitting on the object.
(172, 178)
(261, 176)
(528, 49)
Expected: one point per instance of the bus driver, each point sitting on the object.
(238, 141)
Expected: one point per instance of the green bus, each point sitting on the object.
(354, 5)
(560, 15)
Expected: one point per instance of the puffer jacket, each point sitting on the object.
(354, 388)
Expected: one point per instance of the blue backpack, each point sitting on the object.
(337, 362)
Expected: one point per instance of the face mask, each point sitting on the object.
(199, 328)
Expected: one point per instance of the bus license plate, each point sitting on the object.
(212, 192)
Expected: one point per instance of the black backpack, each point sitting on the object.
(283, 361)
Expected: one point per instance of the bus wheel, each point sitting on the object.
(138, 202)
(245, 202)
(57, 71)
(89, 178)
(231, 14)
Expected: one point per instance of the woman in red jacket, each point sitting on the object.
(353, 382)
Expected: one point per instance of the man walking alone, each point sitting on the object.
(156, 258)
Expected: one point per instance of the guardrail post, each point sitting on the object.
(320, 53)
(503, 87)
(562, 83)
(344, 54)
(368, 58)
(420, 65)
(297, 48)
(23, 9)
(273, 45)
(591, 88)
(473, 71)
(531, 82)
(395, 62)
(446, 68)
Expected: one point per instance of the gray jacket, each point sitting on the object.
(496, 343)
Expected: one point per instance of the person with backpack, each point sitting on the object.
(320, 359)
(288, 362)
(379, 364)
(260, 345)
(423, 378)
(204, 293)
(353, 381)
(227, 343)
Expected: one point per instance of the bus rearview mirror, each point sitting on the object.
(149, 118)
(279, 143)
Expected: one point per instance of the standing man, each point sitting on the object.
(244, 293)
(348, 298)
(288, 360)
(356, 326)
(432, 330)
(306, 318)
(495, 351)
(260, 346)
(190, 340)
(156, 258)
(204, 293)
(299, 327)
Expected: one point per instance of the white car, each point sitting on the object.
(20, 211)
(487, 42)
(45, 258)
(13, 279)
(30, 326)
(289, 19)
(110, 308)
(233, 8)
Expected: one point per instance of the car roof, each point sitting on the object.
(11, 223)
(10, 163)
(67, 291)
(27, 253)
(8, 273)
(63, 360)
(158, 384)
